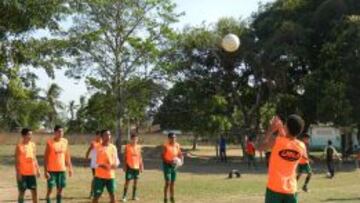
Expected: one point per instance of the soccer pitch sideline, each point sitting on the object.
(201, 179)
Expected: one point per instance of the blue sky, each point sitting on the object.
(196, 12)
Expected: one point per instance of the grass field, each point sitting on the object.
(201, 180)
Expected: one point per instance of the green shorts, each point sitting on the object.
(57, 179)
(100, 184)
(27, 182)
(132, 174)
(169, 172)
(275, 197)
(304, 168)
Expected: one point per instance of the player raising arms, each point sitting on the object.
(133, 165)
(171, 152)
(27, 167)
(91, 154)
(286, 154)
(107, 162)
(57, 159)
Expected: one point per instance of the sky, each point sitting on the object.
(196, 12)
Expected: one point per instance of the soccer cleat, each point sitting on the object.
(124, 199)
(305, 188)
(135, 199)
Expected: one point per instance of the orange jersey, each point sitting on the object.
(95, 143)
(106, 155)
(26, 156)
(56, 155)
(171, 152)
(133, 156)
(285, 157)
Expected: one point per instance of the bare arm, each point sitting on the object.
(124, 161)
(68, 162)
(181, 156)
(17, 163)
(141, 162)
(88, 151)
(268, 141)
(117, 160)
(36, 164)
(337, 154)
(46, 160)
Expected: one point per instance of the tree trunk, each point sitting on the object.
(118, 127)
(195, 139)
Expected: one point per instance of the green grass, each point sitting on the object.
(201, 180)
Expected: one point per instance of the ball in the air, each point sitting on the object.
(230, 43)
(177, 162)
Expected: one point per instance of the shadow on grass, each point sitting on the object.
(341, 199)
(77, 199)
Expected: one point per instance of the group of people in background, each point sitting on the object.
(104, 162)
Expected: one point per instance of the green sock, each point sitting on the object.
(134, 193)
(48, 200)
(21, 200)
(125, 191)
(172, 199)
(58, 198)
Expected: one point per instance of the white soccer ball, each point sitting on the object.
(230, 43)
(178, 162)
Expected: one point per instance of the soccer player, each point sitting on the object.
(250, 152)
(91, 154)
(133, 165)
(330, 152)
(304, 164)
(171, 151)
(56, 160)
(27, 167)
(107, 162)
(285, 157)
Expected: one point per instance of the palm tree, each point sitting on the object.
(72, 108)
(52, 99)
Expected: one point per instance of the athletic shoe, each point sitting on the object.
(124, 199)
(135, 199)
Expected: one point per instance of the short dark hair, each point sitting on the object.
(295, 125)
(25, 131)
(97, 132)
(329, 142)
(104, 131)
(171, 135)
(133, 135)
(57, 127)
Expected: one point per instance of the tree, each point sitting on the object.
(20, 104)
(52, 99)
(238, 79)
(116, 40)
